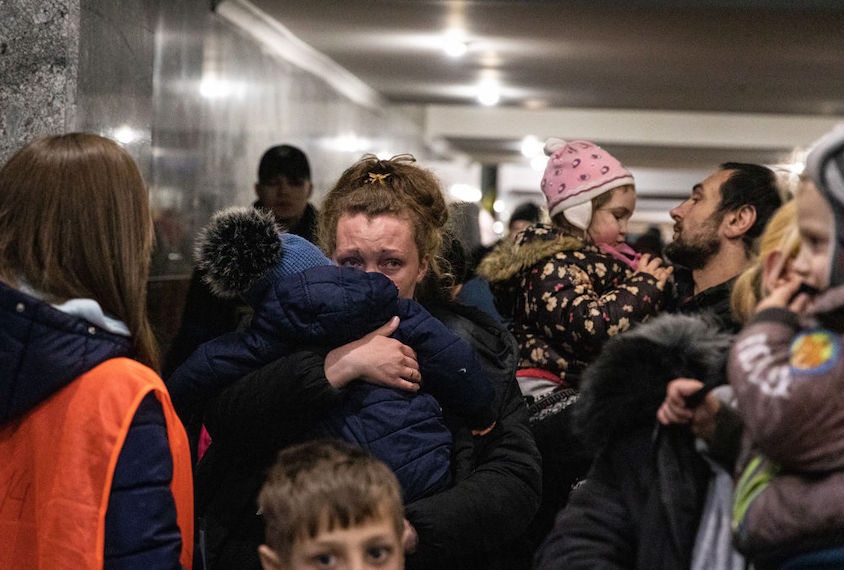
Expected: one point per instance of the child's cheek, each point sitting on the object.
(604, 232)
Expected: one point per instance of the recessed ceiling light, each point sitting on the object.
(454, 43)
(455, 48)
(538, 162)
(531, 146)
(489, 94)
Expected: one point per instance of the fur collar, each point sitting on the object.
(623, 388)
(536, 243)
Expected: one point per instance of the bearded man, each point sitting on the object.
(715, 231)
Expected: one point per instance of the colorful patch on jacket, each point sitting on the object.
(815, 352)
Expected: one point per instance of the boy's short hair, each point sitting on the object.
(321, 485)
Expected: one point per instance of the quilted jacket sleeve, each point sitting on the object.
(569, 310)
(216, 364)
(281, 399)
(450, 368)
(140, 528)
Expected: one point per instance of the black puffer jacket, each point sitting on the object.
(480, 522)
(471, 525)
(640, 504)
(250, 421)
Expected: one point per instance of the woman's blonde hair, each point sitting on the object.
(397, 187)
(780, 235)
(75, 223)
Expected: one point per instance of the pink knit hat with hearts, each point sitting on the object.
(578, 171)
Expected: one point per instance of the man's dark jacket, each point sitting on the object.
(640, 504)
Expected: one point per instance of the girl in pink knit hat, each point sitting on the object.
(568, 287)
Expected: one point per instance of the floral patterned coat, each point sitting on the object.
(566, 298)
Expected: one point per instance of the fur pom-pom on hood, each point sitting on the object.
(623, 388)
(236, 248)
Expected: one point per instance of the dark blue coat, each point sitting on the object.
(332, 306)
(42, 350)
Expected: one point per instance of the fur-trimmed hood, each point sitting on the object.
(505, 265)
(623, 388)
(508, 259)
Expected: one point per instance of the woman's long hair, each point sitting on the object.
(75, 222)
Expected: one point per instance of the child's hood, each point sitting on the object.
(536, 243)
(623, 388)
(825, 165)
(326, 304)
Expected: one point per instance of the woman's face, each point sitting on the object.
(383, 244)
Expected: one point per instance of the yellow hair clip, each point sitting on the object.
(373, 177)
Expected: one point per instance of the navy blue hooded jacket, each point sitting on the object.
(332, 306)
(42, 350)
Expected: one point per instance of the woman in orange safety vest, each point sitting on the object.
(94, 464)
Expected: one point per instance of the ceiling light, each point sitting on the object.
(498, 227)
(538, 162)
(454, 44)
(455, 48)
(498, 206)
(531, 146)
(489, 94)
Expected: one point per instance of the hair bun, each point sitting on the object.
(553, 144)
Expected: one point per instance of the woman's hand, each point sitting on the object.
(652, 265)
(701, 418)
(375, 358)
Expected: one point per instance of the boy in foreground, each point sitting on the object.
(329, 504)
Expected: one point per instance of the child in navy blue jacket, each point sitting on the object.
(300, 298)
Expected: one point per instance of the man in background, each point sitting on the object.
(284, 188)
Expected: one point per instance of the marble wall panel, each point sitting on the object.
(220, 100)
(38, 63)
(193, 99)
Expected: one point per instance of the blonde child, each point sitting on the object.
(329, 504)
(786, 368)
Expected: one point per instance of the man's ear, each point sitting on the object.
(269, 558)
(310, 189)
(258, 190)
(739, 221)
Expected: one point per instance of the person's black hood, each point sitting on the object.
(623, 388)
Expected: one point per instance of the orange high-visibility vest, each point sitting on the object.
(57, 463)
